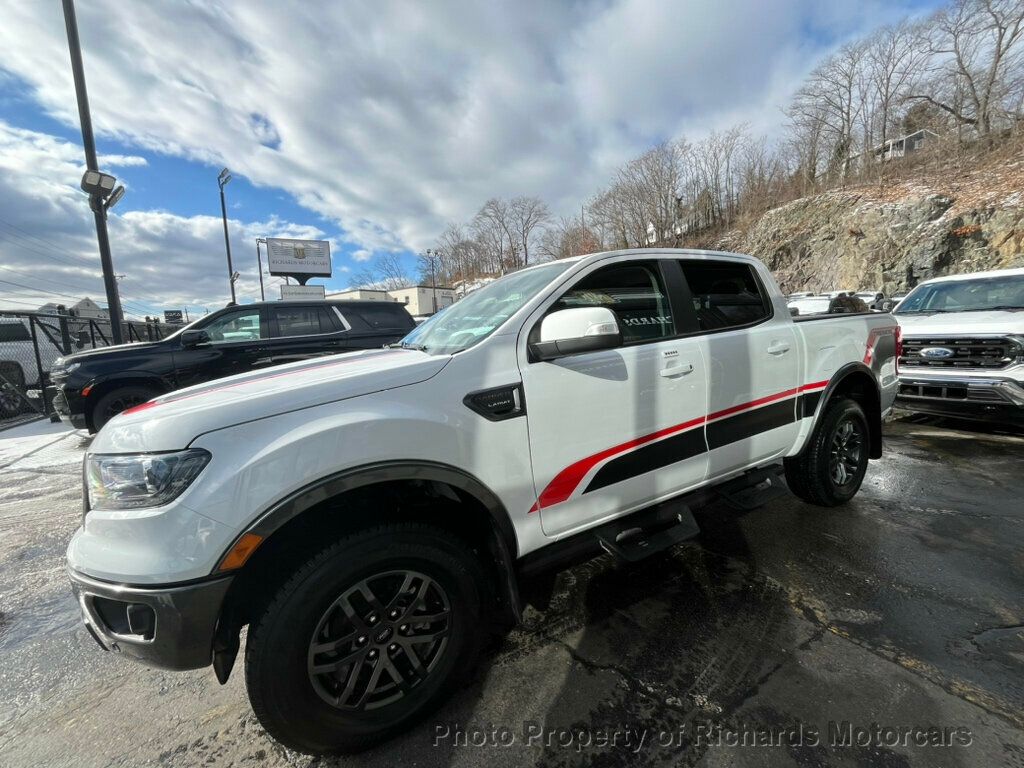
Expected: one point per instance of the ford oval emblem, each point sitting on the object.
(937, 353)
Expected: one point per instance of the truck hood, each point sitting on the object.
(962, 323)
(174, 420)
(116, 350)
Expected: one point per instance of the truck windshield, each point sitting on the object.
(968, 295)
(474, 318)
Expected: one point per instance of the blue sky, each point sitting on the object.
(370, 124)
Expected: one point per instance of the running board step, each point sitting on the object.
(648, 533)
(754, 489)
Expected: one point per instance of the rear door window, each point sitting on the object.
(726, 294)
(302, 321)
(634, 291)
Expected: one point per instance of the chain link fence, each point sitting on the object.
(30, 342)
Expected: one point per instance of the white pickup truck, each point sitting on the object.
(963, 352)
(369, 516)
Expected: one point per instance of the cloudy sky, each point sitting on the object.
(367, 123)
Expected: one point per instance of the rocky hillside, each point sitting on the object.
(892, 237)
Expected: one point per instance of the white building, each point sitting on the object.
(418, 299)
(424, 299)
(360, 294)
(84, 308)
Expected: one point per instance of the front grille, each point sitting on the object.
(950, 392)
(978, 353)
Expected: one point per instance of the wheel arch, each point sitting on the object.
(858, 382)
(291, 528)
(100, 387)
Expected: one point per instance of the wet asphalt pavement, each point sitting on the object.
(779, 637)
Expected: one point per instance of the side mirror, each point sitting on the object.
(191, 339)
(794, 311)
(576, 330)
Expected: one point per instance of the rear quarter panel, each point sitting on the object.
(830, 345)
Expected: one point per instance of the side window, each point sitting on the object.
(14, 332)
(302, 321)
(634, 291)
(237, 326)
(385, 318)
(725, 294)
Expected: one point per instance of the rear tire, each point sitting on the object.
(358, 609)
(830, 469)
(11, 384)
(117, 400)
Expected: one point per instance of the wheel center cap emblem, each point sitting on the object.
(384, 635)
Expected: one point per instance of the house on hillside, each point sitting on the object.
(904, 145)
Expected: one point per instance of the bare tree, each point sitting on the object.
(833, 95)
(385, 272)
(975, 50)
(526, 215)
(894, 62)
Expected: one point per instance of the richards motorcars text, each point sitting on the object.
(701, 734)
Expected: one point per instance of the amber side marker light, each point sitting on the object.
(241, 552)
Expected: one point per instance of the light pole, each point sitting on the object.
(222, 181)
(431, 255)
(259, 265)
(95, 183)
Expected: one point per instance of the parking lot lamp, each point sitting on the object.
(222, 181)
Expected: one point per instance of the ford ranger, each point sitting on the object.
(369, 516)
(963, 351)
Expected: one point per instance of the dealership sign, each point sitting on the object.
(305, 258)
(173, 316)
(302, 292)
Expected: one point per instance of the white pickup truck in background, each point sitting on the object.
(369, 516)
(963, 352)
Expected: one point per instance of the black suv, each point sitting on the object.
(94, 386)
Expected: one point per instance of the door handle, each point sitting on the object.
(676, 370)
(778, 348)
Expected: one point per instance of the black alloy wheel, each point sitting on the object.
(847, 452)
(379, 640)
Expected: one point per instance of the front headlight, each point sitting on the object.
(141, 480)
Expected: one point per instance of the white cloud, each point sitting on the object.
(48, 241)
(392, 117)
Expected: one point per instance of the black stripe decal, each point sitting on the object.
(807, 404)
(691, 443)
(679, 447)
(750, 423)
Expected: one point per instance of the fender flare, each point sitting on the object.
(816, 407)
(338, 483)
(504, 544)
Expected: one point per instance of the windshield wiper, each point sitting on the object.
(406, 345)
(996, 308)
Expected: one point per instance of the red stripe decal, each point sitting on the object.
(565, 482)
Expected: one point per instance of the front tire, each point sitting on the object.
(366, 637)
(830, 469)
(117, 400)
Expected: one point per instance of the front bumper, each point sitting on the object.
(964, 397)
(168, 627)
